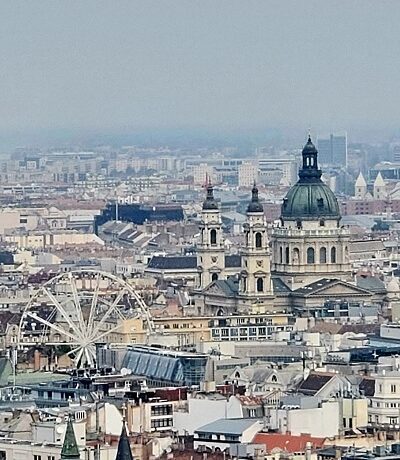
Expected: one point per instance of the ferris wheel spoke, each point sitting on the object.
(53, 326)
(105, 333)
(111, 308)
(77, 304)
(61, 310)
(93, 305)
(143, 307)
(78, 357)
(117, 311)
(89, 356)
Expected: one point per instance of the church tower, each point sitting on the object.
(360, 187)
(310, 244)
(70, 450)
(210, 250)
(380, 188)
(255, 290)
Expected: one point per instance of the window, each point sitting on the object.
(310, 256)
(322, 256)
(214, 277)
(258, 240)
(287, 254)
(322, 223)
(260, 285)
(37, 457)
(393, 388)
(296, 256)
(333, 255)
(213, 236)
(281, 255)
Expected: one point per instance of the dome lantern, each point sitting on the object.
(310, 198)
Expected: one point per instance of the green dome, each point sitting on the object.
(310, 198)
(310, 201)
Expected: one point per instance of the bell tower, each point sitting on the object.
(210, 250)
(255, 279)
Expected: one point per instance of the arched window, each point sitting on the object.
(322, 256)
(280, 254)
(333, 255)
(214, 277)
(213, 236)
(299, 224)
(244, 284)
(287, 254)
(260, 285)
(310, 256)
(296, 256)
(258, 240)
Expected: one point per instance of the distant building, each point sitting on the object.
(201, 173)
(333, 150)
(248, 174)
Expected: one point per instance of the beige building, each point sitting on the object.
(247, 174)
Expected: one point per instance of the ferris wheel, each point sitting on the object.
(80, 309)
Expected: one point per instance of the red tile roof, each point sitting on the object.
(287, 442)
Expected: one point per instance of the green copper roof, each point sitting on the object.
(70, 447)
(310, 198)
(124, 449)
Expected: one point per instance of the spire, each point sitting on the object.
(124, 449)
(379, 182)
(255, 205)
(309, 171)
(210, 202)
(361, 182)
(70, 449)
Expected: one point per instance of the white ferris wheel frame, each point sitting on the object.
(85, 334)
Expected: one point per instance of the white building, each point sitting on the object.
(385, 404)
(226, 434)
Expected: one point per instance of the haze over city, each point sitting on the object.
(199, 230)
(151, 70)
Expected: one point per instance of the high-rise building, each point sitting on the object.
(333, 150)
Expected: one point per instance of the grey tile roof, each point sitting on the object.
(234, 426)
(279, 286)
(173, 262)
(187, 262)
(371, 283)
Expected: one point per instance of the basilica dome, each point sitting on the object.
(310, 198)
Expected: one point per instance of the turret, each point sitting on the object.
(124, 448)
(70, 450)
(379, 188)
(360, 187)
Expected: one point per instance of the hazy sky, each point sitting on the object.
(112, 64)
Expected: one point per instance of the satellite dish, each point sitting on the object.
(60, 430)
(58, 420)
(125, 371)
